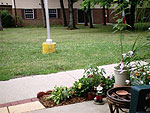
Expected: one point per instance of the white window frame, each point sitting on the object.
(29, 13)
(53, 13)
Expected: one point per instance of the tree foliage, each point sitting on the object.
(130, 7)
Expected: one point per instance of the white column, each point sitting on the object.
(48, 40)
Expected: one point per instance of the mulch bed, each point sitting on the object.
(50, 103)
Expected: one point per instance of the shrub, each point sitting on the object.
(20, 22)
(82, 86)
(92, 78)
(7, 19)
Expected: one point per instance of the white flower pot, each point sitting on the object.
(121, 77)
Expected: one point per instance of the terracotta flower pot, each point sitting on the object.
(40, 94)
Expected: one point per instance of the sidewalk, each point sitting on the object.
(28, 87)
(84, 107)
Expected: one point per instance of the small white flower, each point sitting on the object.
(132, 76)
(144, 73)
(131, 65)
(148, 72)
(149, 28)
(124, 55)
(130, 53)
(127, 81)
(141, 82)
(149, 83)
(110, 76)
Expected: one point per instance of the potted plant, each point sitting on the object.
(121, 70)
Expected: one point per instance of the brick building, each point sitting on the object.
(31, 13)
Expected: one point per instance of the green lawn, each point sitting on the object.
(21, 49)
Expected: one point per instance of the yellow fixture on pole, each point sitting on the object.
(49, 46)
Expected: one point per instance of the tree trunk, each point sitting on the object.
(71, 15)
(90, 16)
(1, 27)
(43, 13)
(130, 16)
(104, 15)
(85, 17)
(132, 10)
(63, 13)
(15, 11)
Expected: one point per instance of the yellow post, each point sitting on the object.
(49, 48)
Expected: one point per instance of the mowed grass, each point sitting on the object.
(21, 49)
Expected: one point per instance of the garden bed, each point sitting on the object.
(50, 103)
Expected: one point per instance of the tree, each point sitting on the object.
(128, 6)
(1, 27)
(90, 16)
(71, 24)
(85, 17)
(104, 15)
(86, 6)
(63, 13)
(43, 13)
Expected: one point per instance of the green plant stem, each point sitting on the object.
(121, 45)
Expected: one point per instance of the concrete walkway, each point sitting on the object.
(84, 107)
(28, 87)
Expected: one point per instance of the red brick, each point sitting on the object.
(34, 99)
(24, 101)
(2, 105)
(14, 103)
(7, 104)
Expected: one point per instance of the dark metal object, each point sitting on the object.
(117, 102)
(140, 100)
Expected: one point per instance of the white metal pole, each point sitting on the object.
(13, 4)
(48, 40)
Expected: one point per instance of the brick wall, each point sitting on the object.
(38, 21)
(98, 17)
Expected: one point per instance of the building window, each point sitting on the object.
(29, 14)
(53, 13)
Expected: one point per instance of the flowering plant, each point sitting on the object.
(98, 78)
(140, 75)
(91, 80)
(127, 58)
